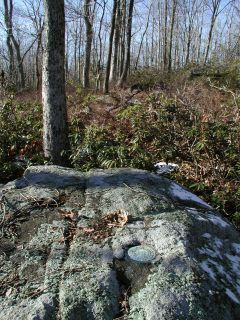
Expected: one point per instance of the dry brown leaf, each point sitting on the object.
(123, 219)
(88, 230)
(68, 214)
(117, 218)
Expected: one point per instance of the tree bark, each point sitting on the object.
(122, 36)
(8, 22)
(165, 35)
(38, 74)
(11, 41)
(113, 71)
(55, 127)
(171, 35)
(19, 61)
(215, 9)
(88, 46)
(129, 38)
(142, 38)
(106, 82)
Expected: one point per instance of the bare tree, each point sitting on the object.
(106, 83)
(113, 71)
(55, 127)
(34, 13)
(165, 34)
(89, 35)
(142, 38)
(128, 49)
(214, 6)
(100, 62)
(8, 9)
(174, 7)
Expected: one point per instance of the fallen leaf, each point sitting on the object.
(117, 218)
(68, 214)
(88, 230)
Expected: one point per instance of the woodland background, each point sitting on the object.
(171, 69)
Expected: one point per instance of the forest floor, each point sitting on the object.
(191, 122)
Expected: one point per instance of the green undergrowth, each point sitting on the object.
(191, 122)
(169, 127)
(20, 138)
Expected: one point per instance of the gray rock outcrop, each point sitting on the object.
(113, 244)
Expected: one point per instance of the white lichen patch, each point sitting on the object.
(224, 276)
(238, 287)
(212, 248)
(209, 252)
(232, 296)
(206, 235)
(218, 242)
(165, 238)
(196, 214)
(223, 268)
(235, 262)
(218, 221)
(217, 272)
(205, 267)
(185, 195)
(236, 247)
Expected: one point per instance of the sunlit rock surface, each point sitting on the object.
(65, 237)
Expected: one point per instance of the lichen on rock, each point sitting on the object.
(67, 249)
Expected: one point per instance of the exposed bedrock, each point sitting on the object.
(108, 244)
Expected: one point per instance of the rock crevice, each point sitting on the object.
(66, 240)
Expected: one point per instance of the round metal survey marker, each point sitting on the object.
(141, 254)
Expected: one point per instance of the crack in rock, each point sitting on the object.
(69, 262)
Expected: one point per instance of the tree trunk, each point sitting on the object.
(188, 45)
(209, 40)
(165, 35)
(19, 61)
(38, 74)
(8, 8)
(215, 12)
(10, 57)
(142, 38)
(100, 62)
(88, 46)
(159, 54)
(55, 127)
(113, 71)
(171, 35)
(11, 41)
(122, 37)
(75, 52)
(67, 55)
(79, 51)
(129, 38)
(106, 83)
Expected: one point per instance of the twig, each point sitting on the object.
(38, 291)
(224, 89)
(40, 201)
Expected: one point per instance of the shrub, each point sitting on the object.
(20, 138)
(190, 123)
(170, 129)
